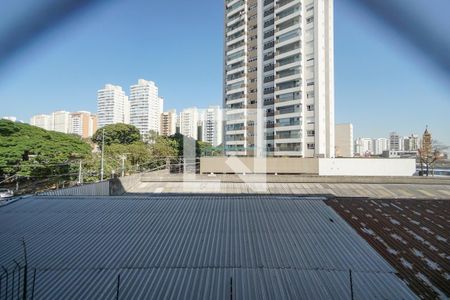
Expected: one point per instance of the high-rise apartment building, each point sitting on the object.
(146, 106)
(364, 146)
(411, 143)
(212, 125)
(188, 122)
(380, 145)
(169, 123)
(112, 105)
(83, 123)
(61, 121)
(279, 61)
(42, 121)
(395, 142)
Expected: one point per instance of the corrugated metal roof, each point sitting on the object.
(193, 247)
(93, 189)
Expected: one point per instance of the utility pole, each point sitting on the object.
(103, 150)
(80, 176)
(123, 157)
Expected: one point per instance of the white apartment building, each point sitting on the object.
(169, 123)
(83, 123)
(279, 78)
(112, 106)
(411, 143)
(146, 106)
(10, 118)
(42, 121)
(188, 122)
(212, 125)
(344, 140)
(61, 121)
(380, 145)
(364, 146)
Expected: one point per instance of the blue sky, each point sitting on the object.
(382, 83)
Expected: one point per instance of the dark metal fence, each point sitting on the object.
(14, 279)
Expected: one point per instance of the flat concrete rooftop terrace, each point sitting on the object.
(342, 186)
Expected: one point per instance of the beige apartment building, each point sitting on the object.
(168, 123)
(83, 123)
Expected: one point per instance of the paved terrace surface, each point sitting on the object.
(191, 247)
(374, 187)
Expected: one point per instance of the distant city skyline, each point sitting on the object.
(382, 84)
(82, 123)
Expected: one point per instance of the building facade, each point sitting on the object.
(344, 140)
(61, 121)
(395, 142)
(189, 122)
(169, 123)
(380, 145)
(212, 126)
(364, 147)
(83, 123)
(411, 143)
(42, 121)
(112, 106)
(279, 78)
(146, 107)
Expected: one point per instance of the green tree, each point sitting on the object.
(201, 148)
(164, 147)
(27, 150)
(136, 154)
(117, 134)
(150, 137)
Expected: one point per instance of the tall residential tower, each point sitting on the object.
(146, 106)
(188, 122)
(83, 123)
(212, 126)
(169, 123)
(279, 78)
(112, 105)
(42, 121)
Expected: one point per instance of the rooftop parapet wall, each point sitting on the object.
(311, 166)
(255, 165)
(121, 185)
(366, 167)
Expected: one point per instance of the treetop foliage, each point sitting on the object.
(117, 134)
(25, 149)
